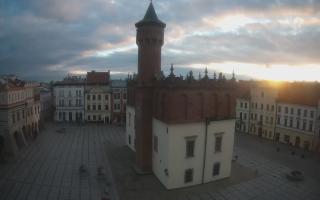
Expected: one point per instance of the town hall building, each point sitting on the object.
(180, 128)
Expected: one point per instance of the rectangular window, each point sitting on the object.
(267, 106)
(299, 112)
(13, 118)
(287, 138)
(267, 120)
(106, 97)
(261, 106)
(88, 97)
(188, 176)
(155, 143)
(216, 169)
(286, 121)
(286, 110)
(305, 113)
(88, 107)
(298, 124)
(129, 139)
(272, 108)
(190, 144)
(304, 125)
(94, 97)
(94, 107)
(106, 107)
(311, 114)
(278, 120)
(241, 104)
(291, 111)
(99, 107)
(291, 122)
(218, 143)
(279, 108)
(99, 97)
(310, 125)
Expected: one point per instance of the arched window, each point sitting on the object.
(215, 106)
(155, 108)
(228, 102)
(200, 106)
(184, 106)
(163, 105)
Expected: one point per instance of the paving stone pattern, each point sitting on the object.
(49, 167)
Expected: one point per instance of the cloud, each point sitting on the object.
(45, 39)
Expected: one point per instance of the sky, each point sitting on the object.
(257, 39)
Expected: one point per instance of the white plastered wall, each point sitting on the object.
(171, 153)
(130, 127)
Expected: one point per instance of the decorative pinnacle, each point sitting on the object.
(206, 74)
(171, 68)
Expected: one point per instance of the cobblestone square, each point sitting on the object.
(49, 169)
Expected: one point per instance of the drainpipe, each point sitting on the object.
(207, 122)
(315, 131)
(275, 124)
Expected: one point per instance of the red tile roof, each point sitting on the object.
(98, 77)
(300, 93)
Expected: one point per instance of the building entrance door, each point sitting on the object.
(297, 142)
(277, 138)
(260, 132)
(18, 139)
(70, 116)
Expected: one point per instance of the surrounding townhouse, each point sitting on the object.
(94, 98)
(19, 113)
(119, 101)
(287, 113)
(69, 99)
(98, 97)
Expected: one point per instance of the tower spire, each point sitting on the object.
(233, 76)
(150, 18)
(171, 69)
